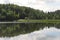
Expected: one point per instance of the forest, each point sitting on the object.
(11, 12)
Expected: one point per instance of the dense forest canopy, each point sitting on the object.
(11, 12)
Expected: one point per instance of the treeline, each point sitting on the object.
(11, 12)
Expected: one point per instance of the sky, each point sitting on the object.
(45, 5)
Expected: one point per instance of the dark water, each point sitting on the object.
(14, 29)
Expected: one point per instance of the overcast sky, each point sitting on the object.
(45, 5)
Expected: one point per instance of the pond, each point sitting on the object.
(29, 31)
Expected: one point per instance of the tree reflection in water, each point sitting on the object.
(14, 29)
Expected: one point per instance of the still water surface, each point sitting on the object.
(44, 32)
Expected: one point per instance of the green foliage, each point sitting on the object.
(11, 12)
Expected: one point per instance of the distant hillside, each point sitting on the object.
(11, 12)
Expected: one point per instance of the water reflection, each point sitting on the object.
(45, 34)
(14, 29)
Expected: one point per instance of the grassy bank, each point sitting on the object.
(39, 21)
